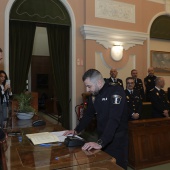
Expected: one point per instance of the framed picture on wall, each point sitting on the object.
(160, 61)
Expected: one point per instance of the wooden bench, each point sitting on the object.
(149, 142)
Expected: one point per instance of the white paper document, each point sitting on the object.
(60, 136)
(44, 137)
(48, 137)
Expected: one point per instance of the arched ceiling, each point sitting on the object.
(160, 28)
(41, 11)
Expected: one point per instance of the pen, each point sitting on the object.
(50, 144)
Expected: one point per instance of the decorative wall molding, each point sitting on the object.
(167, 6)
(158, 1)
(166, 2)
(109, 37)
(114, 10)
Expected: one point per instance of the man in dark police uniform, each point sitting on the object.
(149, 82)
(134, 100)
(113, 78)
(138, 83)
(109, 103)
(160, 105)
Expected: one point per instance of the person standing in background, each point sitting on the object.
(5, 93)
(160, 105)
(113, 78)
(149, 82)
(138, 83)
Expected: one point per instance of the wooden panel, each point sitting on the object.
(42, 65)
(149, 142)
(146, 110)
(143, 142)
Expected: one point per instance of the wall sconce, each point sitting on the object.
(117, 52)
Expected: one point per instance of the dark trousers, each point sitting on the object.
(119, 149)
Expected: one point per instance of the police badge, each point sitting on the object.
(116, 99)
(113, 84)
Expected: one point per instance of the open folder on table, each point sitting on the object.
(44, 137)
(48, 137)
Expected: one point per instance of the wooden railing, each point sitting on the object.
(149, 142)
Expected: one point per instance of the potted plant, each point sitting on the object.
(24, 109)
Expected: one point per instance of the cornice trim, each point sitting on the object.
(158, 1)
(109, 37)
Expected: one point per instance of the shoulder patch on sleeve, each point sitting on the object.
(116, 99)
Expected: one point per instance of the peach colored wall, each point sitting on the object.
(145, 10)
(79, 11)
(140, 52)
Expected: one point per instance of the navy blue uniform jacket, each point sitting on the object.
(134, 103)
(112, 120)
(139, 87)
(159, 102)
(149, 82)
(117, 81)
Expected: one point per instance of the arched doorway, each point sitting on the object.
(72, 54)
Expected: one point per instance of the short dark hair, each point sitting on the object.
(1, 50)
(133, 70)
(6, 77)
(91, 73)
(129, 78)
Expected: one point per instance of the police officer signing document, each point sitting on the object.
(109, 102)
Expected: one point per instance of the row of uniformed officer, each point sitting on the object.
(149, 81)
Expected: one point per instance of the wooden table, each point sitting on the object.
(18, 153)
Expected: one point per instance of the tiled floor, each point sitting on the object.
(93, 138)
